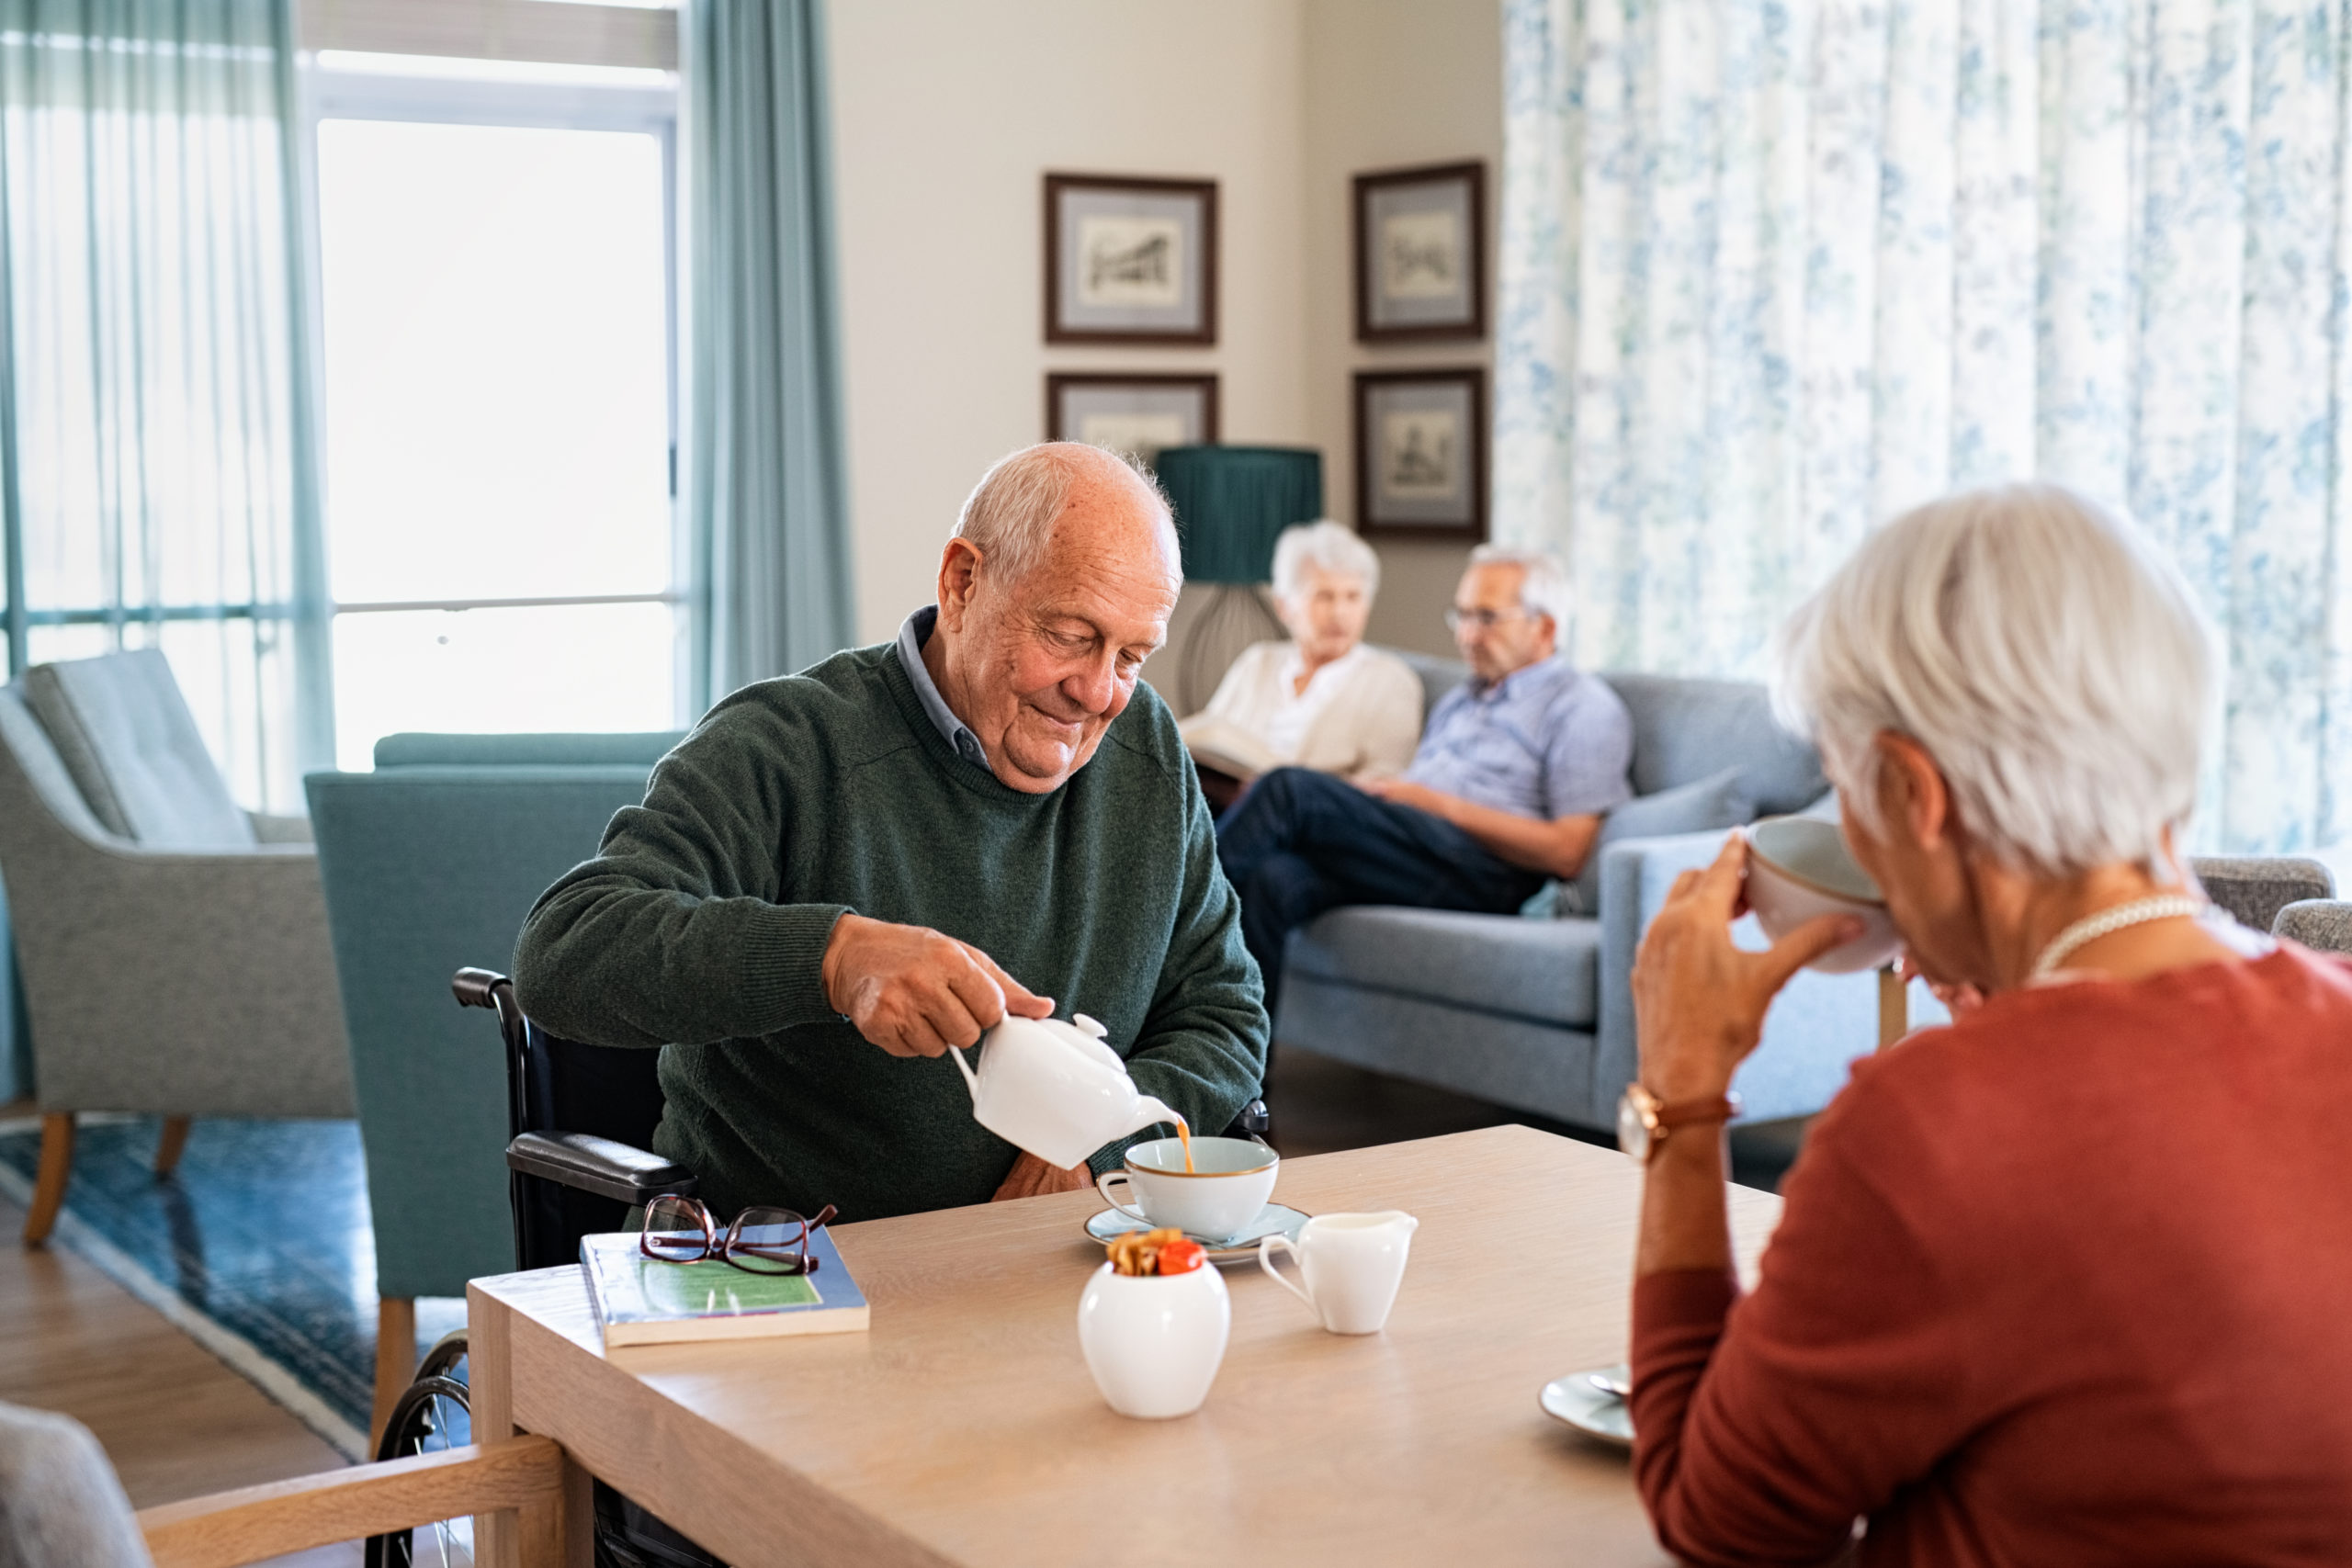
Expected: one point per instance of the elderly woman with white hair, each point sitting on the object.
(2066, 1280)
(1322, 700)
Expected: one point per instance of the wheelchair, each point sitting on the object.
(580, 1123)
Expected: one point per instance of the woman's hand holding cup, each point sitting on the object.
(1698, 1000)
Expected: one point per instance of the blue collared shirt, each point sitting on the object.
(912, 636)
(1547, 742)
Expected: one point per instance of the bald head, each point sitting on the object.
(1057, 584)
(1039, 500)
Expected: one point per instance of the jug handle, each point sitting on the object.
(971, 1079)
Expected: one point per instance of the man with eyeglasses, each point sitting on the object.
(1515, 767)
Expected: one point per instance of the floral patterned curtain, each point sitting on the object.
(1773, 272)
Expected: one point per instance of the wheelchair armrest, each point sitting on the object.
(1253, 1120)
(599, 1165)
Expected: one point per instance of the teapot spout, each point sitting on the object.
(1150, 1112)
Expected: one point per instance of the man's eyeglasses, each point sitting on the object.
(761, 1241)
(1484, 620)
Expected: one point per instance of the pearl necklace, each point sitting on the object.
(2090, 928)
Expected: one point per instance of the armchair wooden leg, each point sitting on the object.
(169, 1146)
(48, 1186)
(395, 1359)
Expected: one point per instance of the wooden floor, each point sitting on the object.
(175, 1422)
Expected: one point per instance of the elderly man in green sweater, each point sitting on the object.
(842, 874)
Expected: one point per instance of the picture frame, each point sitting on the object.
(1134, 412)
(1420, 252)
(1420, 440)
(1130, 260)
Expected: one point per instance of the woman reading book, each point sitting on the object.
(1322, 700)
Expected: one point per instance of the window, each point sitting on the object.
(497, 327)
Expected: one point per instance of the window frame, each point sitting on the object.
(537, 104)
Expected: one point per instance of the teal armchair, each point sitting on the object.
(430, 863)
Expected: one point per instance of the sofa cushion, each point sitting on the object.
(1687, 729)
(126, 736)
(1705, 806)
(1547, 971)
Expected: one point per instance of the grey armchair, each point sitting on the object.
(174, 947)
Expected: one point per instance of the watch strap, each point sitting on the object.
(1683, 1112)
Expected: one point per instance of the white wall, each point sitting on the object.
(1390, 84)
(946, 114)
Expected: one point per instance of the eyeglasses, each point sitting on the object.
(761, 1241)
(1484, 620)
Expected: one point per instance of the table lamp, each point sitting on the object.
(1231, 504)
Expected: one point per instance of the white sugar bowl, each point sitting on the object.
(1154, 1342)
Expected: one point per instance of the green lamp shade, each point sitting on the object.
(1232, 502)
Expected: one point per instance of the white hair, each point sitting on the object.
(1544, 581)
(2054, 665)
(1009, 515)
(1322, 546)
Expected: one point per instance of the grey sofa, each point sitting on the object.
(1537, 1013)
(173, 946)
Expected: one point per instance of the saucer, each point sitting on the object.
(1275, 1219)
(1575, 1400)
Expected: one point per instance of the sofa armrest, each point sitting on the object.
(2321, 924)
(270, 830)
(1817, 1025)
(1635, 876)
(182, 981)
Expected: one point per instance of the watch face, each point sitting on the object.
(1633, 1128)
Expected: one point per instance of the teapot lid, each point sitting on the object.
(1088, 1027)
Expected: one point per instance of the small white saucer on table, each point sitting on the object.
(1275, 1219)
(1592, 1409)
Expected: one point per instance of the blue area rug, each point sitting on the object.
(259, 1247)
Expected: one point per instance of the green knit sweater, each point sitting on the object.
(700, 926)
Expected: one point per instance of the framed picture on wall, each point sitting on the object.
(1420, 252)
(1421, 455)
(1130, 260)
(1132, 414)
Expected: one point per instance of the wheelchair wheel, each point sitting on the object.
(430, 1417)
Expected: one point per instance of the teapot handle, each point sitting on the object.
(971, 1079)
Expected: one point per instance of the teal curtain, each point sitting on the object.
(158, 472)
(764, 483)
(1772, 274)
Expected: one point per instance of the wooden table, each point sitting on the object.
(962, 1427)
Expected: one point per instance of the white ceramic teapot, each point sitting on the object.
(1055, 1089)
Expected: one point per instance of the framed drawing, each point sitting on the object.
(1132, 414)
(1130, 260)
(1421, 455)
(1421, 253)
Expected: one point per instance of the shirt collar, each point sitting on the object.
(912, 634)
(1494, 691)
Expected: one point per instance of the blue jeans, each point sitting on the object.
(1301, 842)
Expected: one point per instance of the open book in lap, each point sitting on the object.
(1362, 713)
(1225, 746)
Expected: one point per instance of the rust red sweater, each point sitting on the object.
(2067, 1282)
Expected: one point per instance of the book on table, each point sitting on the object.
(643, 1301)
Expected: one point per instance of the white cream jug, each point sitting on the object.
(1055, 1089)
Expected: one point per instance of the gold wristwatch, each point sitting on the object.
(1644, 1121)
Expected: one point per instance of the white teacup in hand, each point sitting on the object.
(1351, 1265)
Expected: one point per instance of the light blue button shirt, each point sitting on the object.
(1546, 742)
(912, 636)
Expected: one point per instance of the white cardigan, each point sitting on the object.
(1360, 715)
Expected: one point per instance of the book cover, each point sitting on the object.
(641, 1301)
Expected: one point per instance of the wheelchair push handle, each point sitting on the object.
(478, 987)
